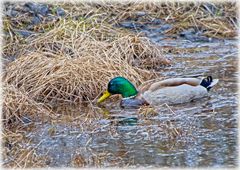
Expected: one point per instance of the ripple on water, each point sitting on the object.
(200, 133)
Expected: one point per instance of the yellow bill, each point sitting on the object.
(105, 95)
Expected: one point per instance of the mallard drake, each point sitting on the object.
(169, 91)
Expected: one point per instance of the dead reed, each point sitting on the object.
(214, 19)
(54, 79)
(72, 62)
(17, 104)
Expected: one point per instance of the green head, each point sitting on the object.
(119, 85)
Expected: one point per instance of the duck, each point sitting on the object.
(158, 92)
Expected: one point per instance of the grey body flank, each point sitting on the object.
(175, 95)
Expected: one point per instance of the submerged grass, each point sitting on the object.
(16, 152)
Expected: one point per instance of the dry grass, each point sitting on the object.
(214, 19)
(219, 22)
(16, 104)
(81, 38)
(74, 61)
(69, 64)
(52, 79)
(71, 40)
(70, 61)
(97, 19)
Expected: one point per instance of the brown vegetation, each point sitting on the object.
(73, 58)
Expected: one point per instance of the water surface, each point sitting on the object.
(200, 133)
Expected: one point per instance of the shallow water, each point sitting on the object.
(200, 133)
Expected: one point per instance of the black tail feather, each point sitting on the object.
(206, 82)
